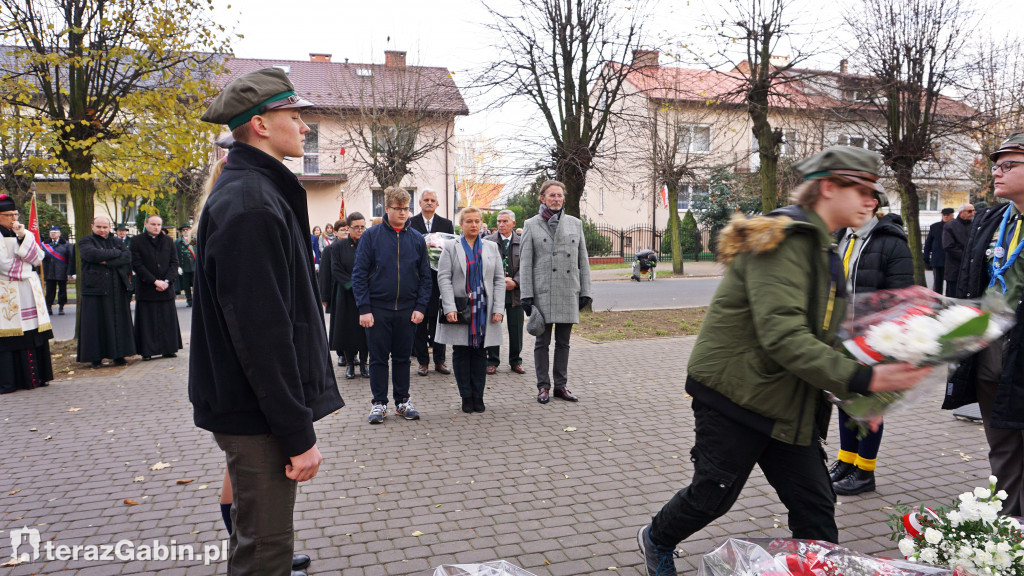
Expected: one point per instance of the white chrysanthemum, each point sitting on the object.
(1002, 559)
(954, 518)
(920, 337)
(988, 514)
(928, 556)
(992, 479)
(981, 557)
(885, 338)
(970, 511)
(993, 331)
(907, 547)
(967, 497)
(932, 536)
(1003, 547)
(955, 316)
(982, 493)
(1001, 494)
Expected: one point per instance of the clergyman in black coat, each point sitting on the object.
(155, 263)
(425, 222)
(105, 319)
(934, 255)
(954, 241)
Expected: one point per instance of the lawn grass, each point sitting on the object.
(633, 324)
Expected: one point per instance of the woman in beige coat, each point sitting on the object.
(469, 272)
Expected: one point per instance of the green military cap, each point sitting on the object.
(1014, 143)
(850, 162)
(252, 94)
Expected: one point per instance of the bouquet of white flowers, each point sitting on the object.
(919, 327)
(971, 537)
(435, 243)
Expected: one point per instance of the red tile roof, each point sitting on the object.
(347, 86)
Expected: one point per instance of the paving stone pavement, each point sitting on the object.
(558, 489)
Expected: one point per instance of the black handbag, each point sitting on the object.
(462, 309)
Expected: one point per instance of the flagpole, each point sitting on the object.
(33, 220)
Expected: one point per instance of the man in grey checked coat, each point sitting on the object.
(554, 278)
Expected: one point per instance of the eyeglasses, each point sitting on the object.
(971, 211)
(15, 213)
(399, 209)
(1005, 166)
(357, 228)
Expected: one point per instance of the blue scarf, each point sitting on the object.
(475, 290)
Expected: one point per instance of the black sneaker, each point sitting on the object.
(839, 470)
(660, 560)
(857, 482)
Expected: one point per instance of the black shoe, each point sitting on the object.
(120, 362)
(300, 562)
(856, 482)
(188, 305)
(350, 372)
(467, 405)
(170, 355)
(478, 405)
(342, 361)
(543, 395)
(364, 371)
(60, 312)
(49, 310)
(839, 470)
(658, 560)
(147, 358)
(96, 364)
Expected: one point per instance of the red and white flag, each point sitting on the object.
(33, 221)
(664, 195)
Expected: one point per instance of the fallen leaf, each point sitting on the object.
(546, 562)
(33, 429)
(48, 438)
(74, 409)
(186, 481)
(159, 466)
(12, 562)
(613, 568)
(131, 502)
(138, 479)
(437, 506)
(569, 429)
(13, 492)
(417, 533)
(202, 487)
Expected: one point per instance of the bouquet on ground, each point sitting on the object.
(789, 557)
(435, 242)
(917, 326)
(970, 537)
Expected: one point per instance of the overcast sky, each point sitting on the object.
(452, 34)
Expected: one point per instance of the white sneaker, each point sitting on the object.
(377, 413)
(406, 410)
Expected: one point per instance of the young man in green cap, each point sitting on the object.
(994, 378)
(260, 372)
(764, 358)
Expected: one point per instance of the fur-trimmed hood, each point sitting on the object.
(760, 234)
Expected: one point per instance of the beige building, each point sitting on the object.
(702, 111)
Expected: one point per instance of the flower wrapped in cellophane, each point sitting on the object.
(971, 537)
(789, 557)
(917, 326)
(435, 242)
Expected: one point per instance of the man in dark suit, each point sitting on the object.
(186, 261)
(934, 256)
(508, 244)
(425, 222)
(954, 240)
(58, 266)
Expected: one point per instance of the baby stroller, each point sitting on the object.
(646, 261)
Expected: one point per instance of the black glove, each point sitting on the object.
(527, 304)
(584, 300)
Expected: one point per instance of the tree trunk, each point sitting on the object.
(83, 193)
(911, 218)
(574, 181)
(673, 229)
(767, 152)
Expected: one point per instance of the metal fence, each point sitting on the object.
(626, 242)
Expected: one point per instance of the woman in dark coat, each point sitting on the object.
(876, 257)
(155, 263)
(347, 337)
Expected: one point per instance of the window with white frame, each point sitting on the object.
(856, 141)
(788, 146)
(311, 159)
(378, 201)
(928, 201)
(694, 138)
(688, 193)
(60, 202)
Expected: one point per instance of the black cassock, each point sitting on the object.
(336, 263)
(106, 318)
(156, 318)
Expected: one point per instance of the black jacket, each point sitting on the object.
(884, 261)
(954, 241)
(440, 224)
(53, 267)
(934, 255)
(1008, 407)
(392, 270)
(152, 260)
(259, 362)
(105, 265)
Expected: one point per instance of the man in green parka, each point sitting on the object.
(765, 357)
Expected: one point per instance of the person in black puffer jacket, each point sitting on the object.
(879, 258)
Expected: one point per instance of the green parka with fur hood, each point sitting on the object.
(765, 350)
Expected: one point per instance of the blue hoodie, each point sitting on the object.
(391, 270)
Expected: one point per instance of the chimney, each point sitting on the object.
(315, 57)
(843, 66)
(394, 59)
(645, 58)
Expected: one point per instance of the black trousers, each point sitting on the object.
(426, 329)
(938, 278)
(391, 336)
(470, 368)
(56, 290)
(723, 455)
(514, 319)
(541, 355)
(186, 285)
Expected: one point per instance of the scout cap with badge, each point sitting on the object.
(253, 94)
(849, 162)
(1013, 143)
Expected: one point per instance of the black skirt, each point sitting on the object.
(25, 361)
(156, 328)
(346, 333)
(105, 329)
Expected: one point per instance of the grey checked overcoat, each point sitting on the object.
(554, 270)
